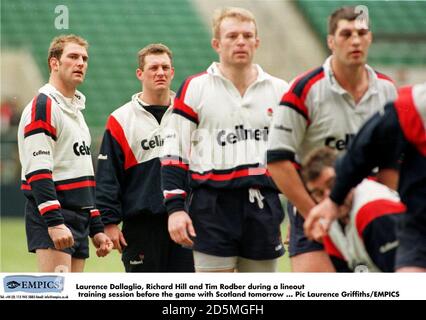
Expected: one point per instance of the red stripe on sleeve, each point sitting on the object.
(410, 120)
(33, 109)
(94, 213)
(291, 98)
(49, 111)
(309, 85)
(118, 133)
(376, 209)
(185, 86)
(49, 208)
(76, 185)
(180, 105)
(40, 177)
(175, 163)
(384, 77)
(171, 195)
(40, 124)
(25, 187)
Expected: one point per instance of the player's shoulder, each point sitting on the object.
(194, 84)
(369, 190)
(386, 84)
(42, 106)
(196, 79)
(305, 81)
(279, 85)
(124, 112)
(384, 78)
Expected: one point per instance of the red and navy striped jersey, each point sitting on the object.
(316, 112)
(369, 237)
(54, 150)
(128, 172)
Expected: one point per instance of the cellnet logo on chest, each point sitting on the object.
(339, 144)
(154, 142)
(81, 149)
(241, 134)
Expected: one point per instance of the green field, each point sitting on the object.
(14, 256)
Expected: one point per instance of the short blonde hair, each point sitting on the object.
(231, 12)
(58, 43)
(154, 48)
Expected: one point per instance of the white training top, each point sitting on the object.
(370, 200)
(318, 112)
(221, 135)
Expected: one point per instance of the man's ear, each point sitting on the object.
(330, 42)
(257, 42)
(54, 64)
(139, 74)
(172, 75)
(215, 44)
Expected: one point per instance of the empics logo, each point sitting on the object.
(33, 284)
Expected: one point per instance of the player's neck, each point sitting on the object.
(66, 90)
(354, 79)
(241, 77)
(158, 98)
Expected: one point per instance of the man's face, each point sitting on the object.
(72, 66)
(320, 188)
(237, 42)
(350, 43)
(157, 73)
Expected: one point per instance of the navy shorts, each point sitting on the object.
(299, 243)
(150, 248)
(412, 242)
(227, 224)
(76, 221)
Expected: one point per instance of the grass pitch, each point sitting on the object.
(14, 256)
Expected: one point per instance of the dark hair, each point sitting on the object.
(344, 13)
(316, 161)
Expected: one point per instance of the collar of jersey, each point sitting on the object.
(215, 71)
(372, 79)
(140, 104)
(77, 104)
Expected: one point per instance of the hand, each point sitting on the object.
(103, 244)
(116, 236)
(180, 228)
(61, 236)
(319, 219)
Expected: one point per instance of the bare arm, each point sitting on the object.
(288, 181)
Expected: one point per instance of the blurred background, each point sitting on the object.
(293, 40)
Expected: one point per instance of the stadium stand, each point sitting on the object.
(115, 31)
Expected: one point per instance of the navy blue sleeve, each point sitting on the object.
(109, 180)
(175, 184)
(380, 241)
(379, 142)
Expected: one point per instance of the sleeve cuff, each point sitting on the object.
(279, 155)
(337, 197)
(53, 218)
(96, 226)
(174, 205)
